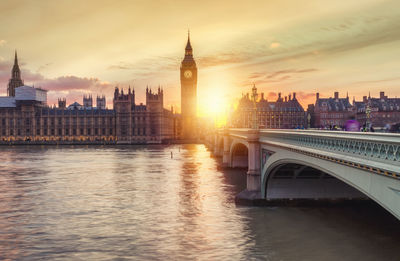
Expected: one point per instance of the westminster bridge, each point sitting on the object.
(313, 164)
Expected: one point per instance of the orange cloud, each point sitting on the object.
(274, 45)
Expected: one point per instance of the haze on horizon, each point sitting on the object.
(73, 48)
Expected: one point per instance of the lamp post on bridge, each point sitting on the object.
(254, 96)
(368, 113)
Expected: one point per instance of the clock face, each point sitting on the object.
(187, 74)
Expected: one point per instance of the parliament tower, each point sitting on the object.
(15, 80)
(189, 94)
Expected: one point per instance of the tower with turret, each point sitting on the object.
(188, 73)
(101, 102)
(62, 103)
(87, 101)
(154, 100)
(15, 80)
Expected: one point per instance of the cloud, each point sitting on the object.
(2, 42)
(65, 83)
(289, 71)
(260, 78)
(274, 45)
(121, 66)
(304, 95)
(71, 87)
(271, 96)
(221, 59)
(377, 81)
(43, 67)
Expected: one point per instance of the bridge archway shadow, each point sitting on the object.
(296, 181)
(239, 156)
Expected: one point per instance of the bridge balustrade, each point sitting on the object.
(370, 147)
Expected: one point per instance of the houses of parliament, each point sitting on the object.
(25, 116)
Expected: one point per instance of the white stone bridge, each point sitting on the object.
(312, 164)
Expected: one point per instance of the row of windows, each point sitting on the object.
(276, 110)
(59, 132)
(137, 131)
(333, 115)
(59, 121)
(73, 120)
(79, 131)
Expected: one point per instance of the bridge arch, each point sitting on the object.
(368, 185)
(297, 179)
(239, 155)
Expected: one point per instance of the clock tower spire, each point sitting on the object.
(189, 93)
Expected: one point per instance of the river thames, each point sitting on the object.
(138, 203)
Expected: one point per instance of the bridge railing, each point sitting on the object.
(382, 147)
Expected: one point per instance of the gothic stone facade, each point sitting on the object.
(384, 110)
(25, 117)
(127, 123)
(284, 113)
(332, 111)
(336, 111)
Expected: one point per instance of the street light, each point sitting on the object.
(368, 112)
(254, 96)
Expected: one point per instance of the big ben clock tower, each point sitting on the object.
(189, 94)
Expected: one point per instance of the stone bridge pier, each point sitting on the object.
(242, 151)
(253, 187)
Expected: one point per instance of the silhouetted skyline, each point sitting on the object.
(74, 48)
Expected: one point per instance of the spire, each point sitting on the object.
(188, 45)
(16, 73)
(15, 80)
(16, 58)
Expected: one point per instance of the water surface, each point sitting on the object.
(133, 202)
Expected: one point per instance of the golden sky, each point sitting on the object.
(77, 47)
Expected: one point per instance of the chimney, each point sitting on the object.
(285, 98)
(290, 97)
(262, 96)
(294, 96)
(382, 95)
(317, 95)
(336, 95)
(279, 96)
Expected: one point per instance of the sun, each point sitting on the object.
(214, 104)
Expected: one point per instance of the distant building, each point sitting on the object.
(330, 111)
(75, 106)
(26, 117)
(384, 110)
(284, 113)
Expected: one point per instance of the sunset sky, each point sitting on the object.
(76, 47)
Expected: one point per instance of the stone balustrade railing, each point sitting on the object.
(381, 147)
(373, 147)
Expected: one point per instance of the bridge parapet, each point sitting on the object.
(371, 149)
